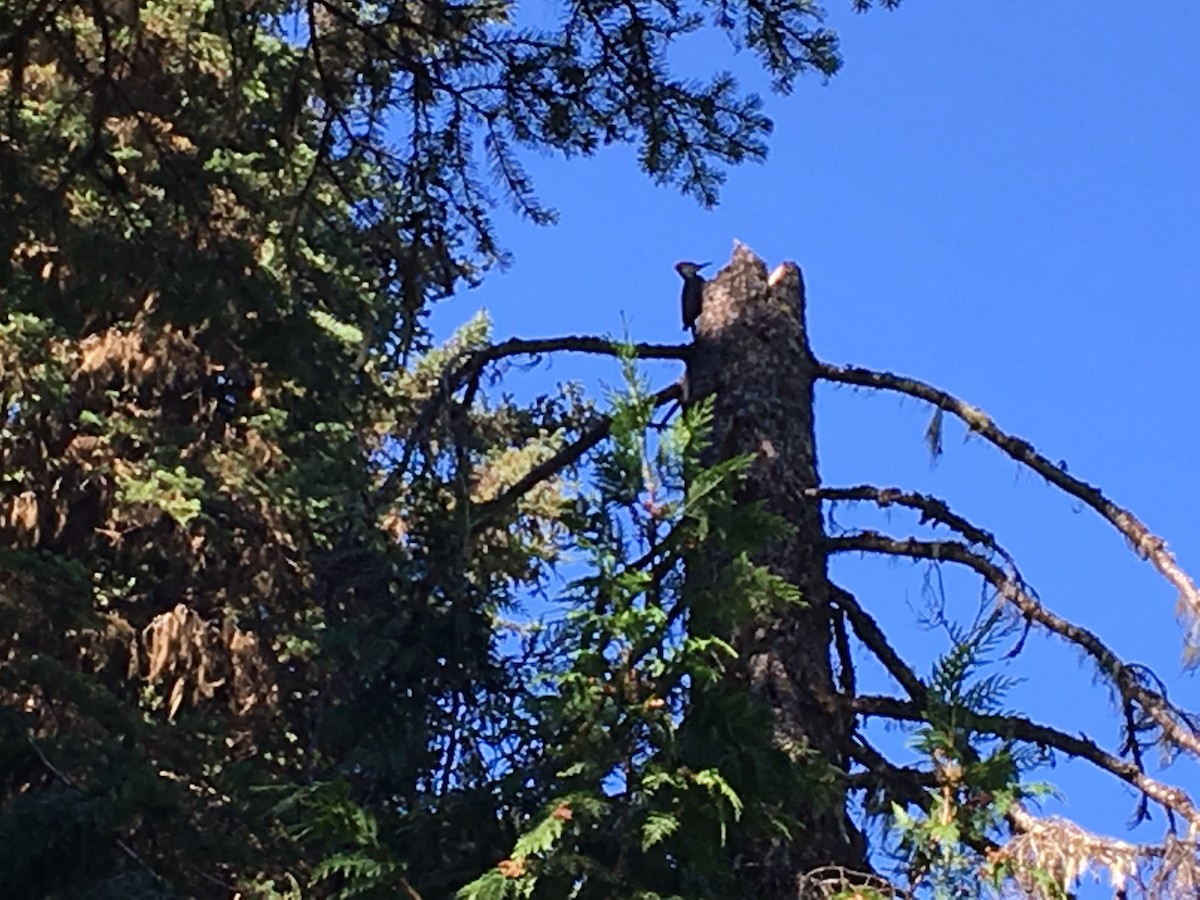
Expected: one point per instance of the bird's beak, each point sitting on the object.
(700, 266)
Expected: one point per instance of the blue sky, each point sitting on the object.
(1000, 198)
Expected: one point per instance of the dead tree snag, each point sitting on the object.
(752, 356)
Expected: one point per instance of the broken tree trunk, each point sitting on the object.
(752, 356)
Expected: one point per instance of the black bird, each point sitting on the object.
(693, 291)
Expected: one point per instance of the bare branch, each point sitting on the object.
(847, 677)
(906, 782)
(577, 344)
(1145, 544)
(932, 509)
(869, 632)
(1176, 729)
(1019, 728)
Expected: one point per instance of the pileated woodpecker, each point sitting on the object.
(693, 291)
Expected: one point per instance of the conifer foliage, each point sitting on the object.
(253, 552)
(261, 539)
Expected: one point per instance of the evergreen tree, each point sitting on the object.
(260, 538)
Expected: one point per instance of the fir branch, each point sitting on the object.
(472, 367)
(593, 434)
(1145, 544)
(70, 782)
(20, 32)
(906, 783)
(1037, 841)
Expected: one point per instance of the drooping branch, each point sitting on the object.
(1020, 728)
(872, 636)
(1051, 844)
(468, 370)
(593, 434)
(1012, 727)
(1145, 543)
(1175, 725)
(932, 510)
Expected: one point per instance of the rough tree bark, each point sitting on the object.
(752, 355)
